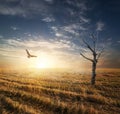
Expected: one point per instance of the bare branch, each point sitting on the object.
(100, 53)
(94, 41)
(93, 36)
(89, 47)
(86, 57)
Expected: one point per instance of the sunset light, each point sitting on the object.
(44, 63)
(59, 56)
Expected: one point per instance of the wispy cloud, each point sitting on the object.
(54, 28)
(100, 26)
(118, 41)
(52, 44)
(66, 31)
(71, 28)
(24, 8)
(84, 19)
(1, 36)
(79, 4)
(49, 1)
(58, 34)
(63, 51)
(49, 19)
(14, 28)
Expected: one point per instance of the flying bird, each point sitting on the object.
(29, 55)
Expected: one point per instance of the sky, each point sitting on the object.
(53, 31)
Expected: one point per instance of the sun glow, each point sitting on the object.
(45, 62)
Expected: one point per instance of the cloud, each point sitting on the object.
(84, 19)
(49, 1)
(1, 36)
(58, 34)
(71, 28)
(24, 8)
(118, 41)
(43, 8)
(54, 28)
(62, 51)
(14, 28)
(74, 28)
(57, 45)
(79, 4)
(49, 19)
(7, 9)
(100, 26)
(41, 43)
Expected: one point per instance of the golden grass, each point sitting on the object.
(59, 93)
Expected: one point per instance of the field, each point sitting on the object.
(59, 93)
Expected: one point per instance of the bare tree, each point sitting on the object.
(95, 54)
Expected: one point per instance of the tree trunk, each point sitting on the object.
(93, 73)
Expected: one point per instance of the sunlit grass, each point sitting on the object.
(59, 93)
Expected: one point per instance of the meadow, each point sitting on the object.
(59, 93)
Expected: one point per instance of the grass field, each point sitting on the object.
(59, 93)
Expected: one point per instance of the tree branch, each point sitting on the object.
(93, 36)
(89, 47)
(100, 53)
(86, 57)
(94, 42)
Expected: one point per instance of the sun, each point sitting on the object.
(44, 62)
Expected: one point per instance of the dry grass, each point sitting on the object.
(59, 93)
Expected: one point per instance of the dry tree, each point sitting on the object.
(95, 55)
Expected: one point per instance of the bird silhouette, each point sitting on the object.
(29, 55)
